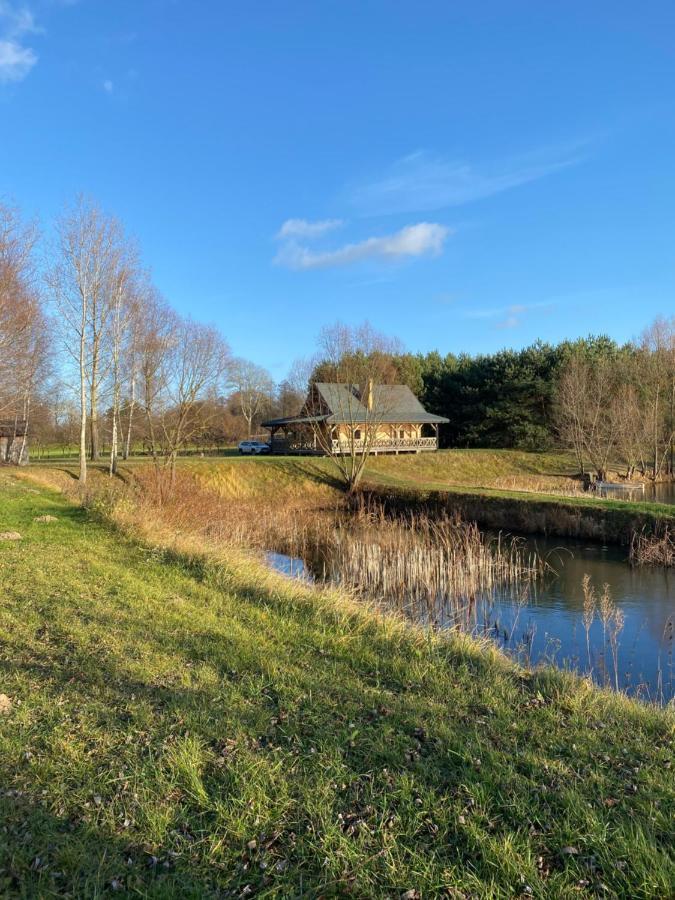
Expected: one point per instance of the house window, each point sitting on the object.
(357, 434)
(401, 433)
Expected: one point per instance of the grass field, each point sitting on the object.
(177, 726)
(532, 477)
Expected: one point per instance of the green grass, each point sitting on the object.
(474, 467)
(170, 711)
(454, 471)
(394, 480)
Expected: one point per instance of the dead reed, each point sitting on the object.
(441, 570)
(540, 484)
(612, 620)
(653, 549)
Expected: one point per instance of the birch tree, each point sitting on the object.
(78, 280)
(253, 386)
(123, 295)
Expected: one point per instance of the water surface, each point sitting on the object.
(661, 493)
(546, 624)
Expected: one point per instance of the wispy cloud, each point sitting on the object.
(301, 228)
(108, 86)
(424, 181)
(508, 316)
(422, 239)
(16, 59)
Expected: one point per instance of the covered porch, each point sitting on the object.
(306, 436)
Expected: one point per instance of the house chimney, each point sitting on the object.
(367, 394)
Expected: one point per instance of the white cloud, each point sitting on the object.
(509, 316)
(16, 59)
(301, 228)
(108, 86)
(422, 181)
(422, 239)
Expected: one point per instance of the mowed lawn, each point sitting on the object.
(177, 727)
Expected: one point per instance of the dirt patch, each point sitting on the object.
(10, 536)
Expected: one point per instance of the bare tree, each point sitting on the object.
(20, 311)
(123, 297)
(572, 390)
(357, 363)
(587, 417)
(79, 281)
(181, 363)
(253, 386)
(658, 378)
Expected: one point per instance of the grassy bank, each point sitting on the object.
(588, 518)
(509, 490)
(184, 727)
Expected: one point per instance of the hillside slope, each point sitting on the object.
(177, 727)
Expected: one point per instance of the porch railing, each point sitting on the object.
(422, 443)
(344, 445)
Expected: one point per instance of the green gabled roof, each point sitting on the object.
(392, 404)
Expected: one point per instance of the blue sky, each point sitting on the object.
(467, 176)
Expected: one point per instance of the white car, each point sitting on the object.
(253, 447)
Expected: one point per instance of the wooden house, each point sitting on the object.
(13, 443)
(344, 418)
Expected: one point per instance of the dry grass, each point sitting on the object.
(475, 468)
(298, 482)
(653, 549)
(540, 484)
(435, 569)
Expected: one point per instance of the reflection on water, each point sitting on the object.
(551, 625)
(288, 565)
(661, 493)
(548, 625)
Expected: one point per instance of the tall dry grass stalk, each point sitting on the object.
(589, 615)
(437, 570)
(653, 549)
(540, 484)
(612, 619)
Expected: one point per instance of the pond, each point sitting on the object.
(661, 493)
(545, 621)
(550, 625)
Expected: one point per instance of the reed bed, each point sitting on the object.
(439, 570)
(653, 549)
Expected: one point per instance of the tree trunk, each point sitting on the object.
(656, 434)
(83, 405)
(113, 445)
(26, 416)
(672, 428)
(93, 403)
(132, 404)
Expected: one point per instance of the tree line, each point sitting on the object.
(613, 404)
(92, 355)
